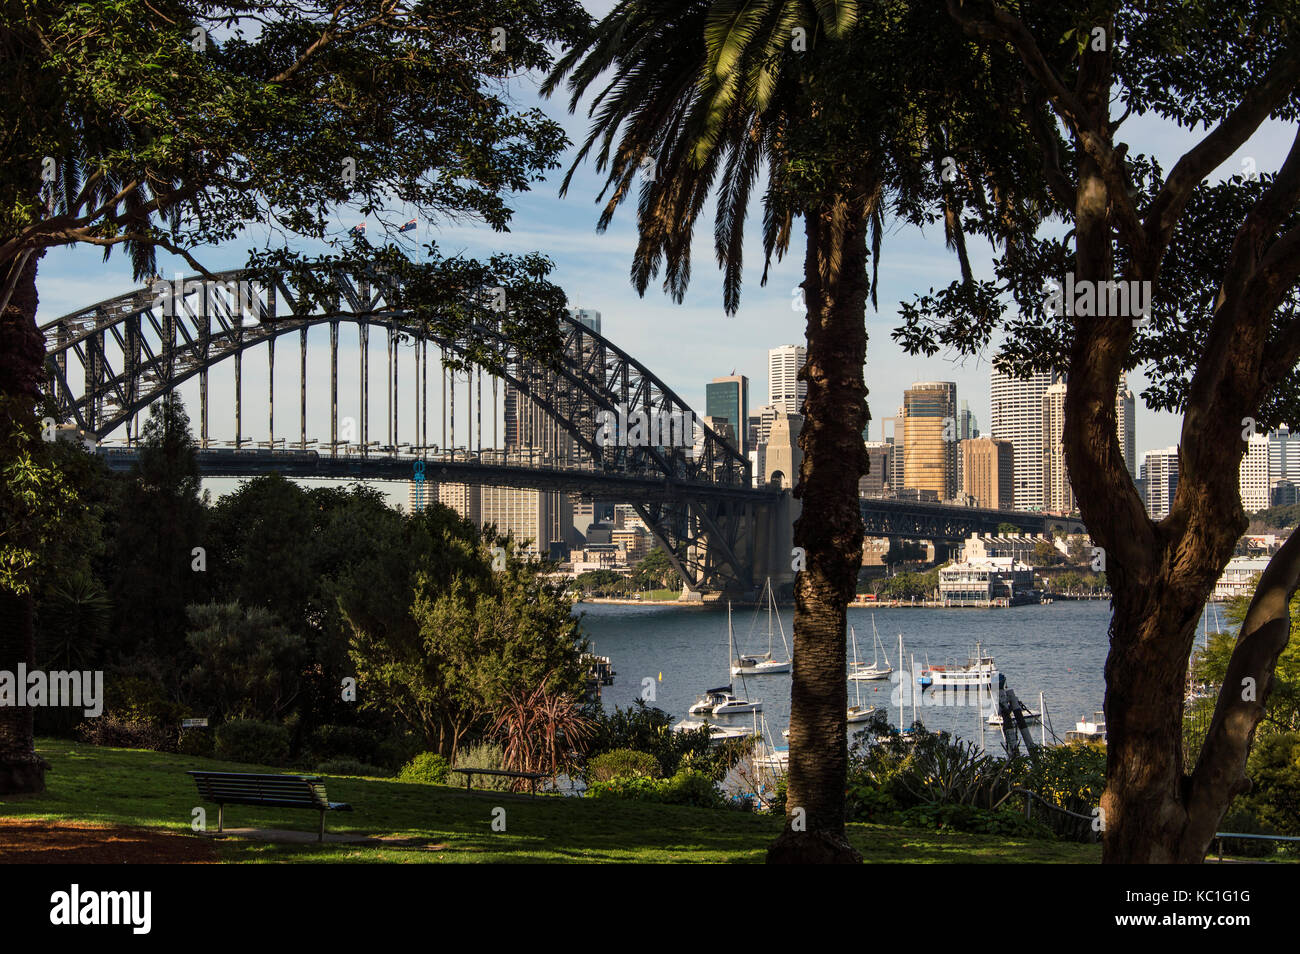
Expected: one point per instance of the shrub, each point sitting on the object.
(1244, 821)
(352, 767)
(484, 755)
(636, 787)
(619, 762)
(429, 767)
(139, 699)
(955, 817)
(865, 802)
(122, 733)
(246, 740)
(330, 742)
(687, 787)
(195, 742)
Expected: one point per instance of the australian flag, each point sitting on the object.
(408, 227)
(358, 229)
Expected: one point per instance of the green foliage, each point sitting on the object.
(140, 698)
(1274, 768)
(645, 728)
(620, 762)
(1071, 776)
(247, 740)
(1245, 821)
(351, 767)
(327, 742)
(945, 816)
(124, 733)
(686, 787)
(428, 767)
(484, 755)
(196, 742)
(246, 663)
(907, 585)
(931, 768)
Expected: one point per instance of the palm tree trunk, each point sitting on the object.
(829, 530)
(22, 364)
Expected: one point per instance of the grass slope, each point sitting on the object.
(151, 789)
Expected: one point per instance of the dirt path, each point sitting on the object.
(36, 841)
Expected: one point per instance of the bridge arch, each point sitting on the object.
(111, 360)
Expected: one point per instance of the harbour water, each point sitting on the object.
(1058, 649)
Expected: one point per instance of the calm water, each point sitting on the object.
(1058, 649)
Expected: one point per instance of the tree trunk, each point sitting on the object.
(829, 531)
(22, 364)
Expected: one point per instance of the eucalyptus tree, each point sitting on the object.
(844, 111)
(180, 124)
(1217, 267)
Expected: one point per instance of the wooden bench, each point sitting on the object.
(469, 773)
(276, 791)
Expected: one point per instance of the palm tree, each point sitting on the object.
(838, 110)
(718, 87)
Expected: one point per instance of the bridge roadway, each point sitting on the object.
(900, 519)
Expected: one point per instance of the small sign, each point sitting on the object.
(194, 723)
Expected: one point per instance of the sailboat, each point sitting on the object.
(856, 713)
(875, 670)
(760, 665)
(722, 701)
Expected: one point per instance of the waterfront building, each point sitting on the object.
(982, 547)
(1238, 576)
(998, 579)
(785, 392)
(929, 438)
(1016, 407)
(988, 472)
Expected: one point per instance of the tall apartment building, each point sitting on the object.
(929, 438)
(1058, 496)
(785, 392)
(1126, 424)
(988, 472)
(876, 482)
(419, 493)
(1016, 408)
(728, 398)
(1253, 474)
(1159, 481)
(462, 498)
(540, 521)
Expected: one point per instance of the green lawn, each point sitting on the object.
(151, 789)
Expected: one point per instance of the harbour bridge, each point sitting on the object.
(110, 361)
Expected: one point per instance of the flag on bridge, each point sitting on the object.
(408, 227)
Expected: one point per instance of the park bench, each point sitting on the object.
(276, 791)
(469, 773)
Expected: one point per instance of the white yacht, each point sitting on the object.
(717, 733)
(723, 701)
(755, 665)
(856, 712)
(864, 673)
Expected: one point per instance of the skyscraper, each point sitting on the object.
(1126, 424)
(1253, 474)
(1160, 481)
(728, 398)
(1016, 407)
(785, 392)
(1058, 496)
(930, 438)
(988, 473)
(967, 429)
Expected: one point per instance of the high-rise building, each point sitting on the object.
(785, 392)
(1253, 474)
(988, 472)
(1284, 454)
(1126, 424)
(760, 424)
(419, 493)
(1016, 407)
(540, 521)
(586, 316)
(892, 430)
(462, 498)
(728, 398)
(967, 429)
(876, 482)
(929, 438)
(1058, 496)
(1160, 481)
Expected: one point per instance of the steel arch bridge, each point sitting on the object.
(108, 362)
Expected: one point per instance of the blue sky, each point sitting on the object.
(686, 344)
